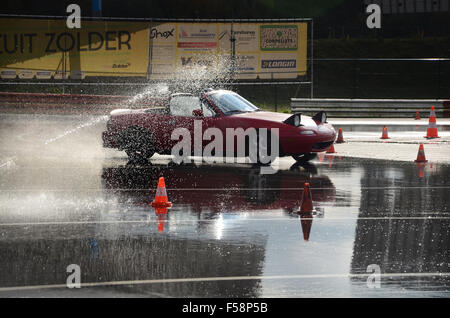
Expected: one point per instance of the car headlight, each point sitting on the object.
(306, 132)
(320, 117)
(297, 120)
(294, 120)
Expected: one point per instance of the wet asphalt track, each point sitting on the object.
(231, 232)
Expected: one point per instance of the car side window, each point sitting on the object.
(184, 105)
(207, 111)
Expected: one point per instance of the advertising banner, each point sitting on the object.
(162, 51)
(261, 50)
(34, 47)
(282, 50)
(45, 49)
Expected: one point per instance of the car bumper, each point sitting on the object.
(320, 141)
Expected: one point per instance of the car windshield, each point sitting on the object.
(230, 102)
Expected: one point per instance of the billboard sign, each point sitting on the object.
(261, 50)
(96, 49)
(43, 49)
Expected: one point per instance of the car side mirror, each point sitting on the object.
(197, 113)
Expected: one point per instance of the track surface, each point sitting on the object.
(232, 232)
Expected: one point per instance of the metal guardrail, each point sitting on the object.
(370, 107)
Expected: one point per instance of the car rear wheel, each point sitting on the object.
(137, 144)
(304, 157)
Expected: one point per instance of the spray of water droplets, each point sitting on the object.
(71, 131)
(158, 90)
(210, 71)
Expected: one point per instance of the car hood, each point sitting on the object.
(306, 121)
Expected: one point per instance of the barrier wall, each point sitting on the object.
(71, 103)
(370, 107)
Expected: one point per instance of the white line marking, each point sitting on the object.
(215, 279)
(78, 222)
(211, 220)
(222, 189)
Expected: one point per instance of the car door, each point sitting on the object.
(211, 119)
(189, 112)
(182, 107)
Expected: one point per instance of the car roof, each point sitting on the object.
(206, 91)
(181, 94)
(220, 91)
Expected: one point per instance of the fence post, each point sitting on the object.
(355, 77)
(276, 97)
(312, 59)
(275, 92)
(438, 79)
(64, 68)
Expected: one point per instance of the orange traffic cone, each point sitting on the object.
(421, 167)
(340, 138)
(161, 214)
(161, 200)
(421, 155)
(331, 149)
(330, 160)
(384, 135)
(432, 128)
(306, 221)
(307, 205)
(417, 115)
(321, 156)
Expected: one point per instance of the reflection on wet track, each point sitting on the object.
(231, 232)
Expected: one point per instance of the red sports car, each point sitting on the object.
(144, 132)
